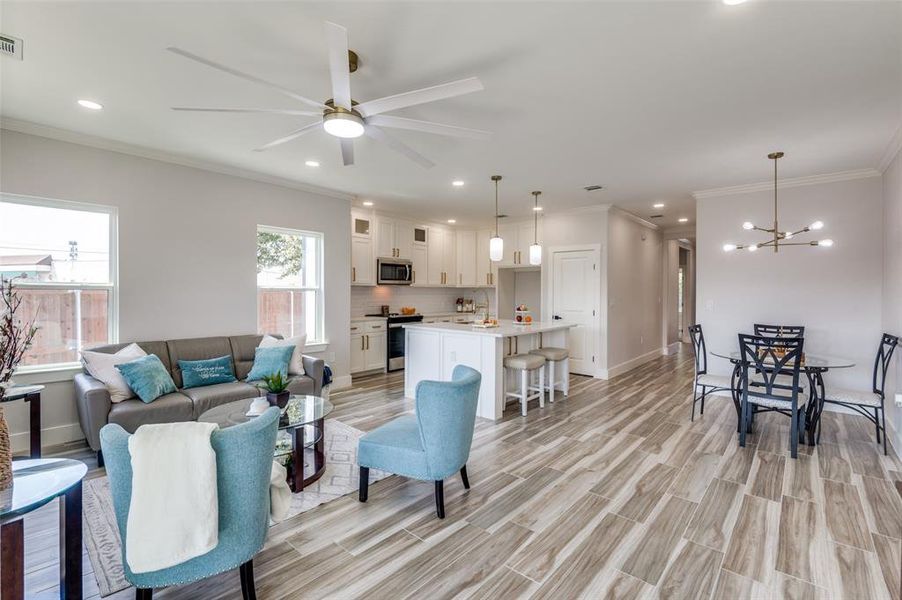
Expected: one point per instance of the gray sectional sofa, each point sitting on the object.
(96, 410)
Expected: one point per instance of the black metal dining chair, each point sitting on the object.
(703, 381)
(779, 330)
(767, 358)
(864, 402)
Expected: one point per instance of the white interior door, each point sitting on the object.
(574, 299)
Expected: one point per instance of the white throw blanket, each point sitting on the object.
(279, 493)
(174, 511)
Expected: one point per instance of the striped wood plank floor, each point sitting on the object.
(611, 492)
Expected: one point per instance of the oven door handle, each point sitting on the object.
(394, 326)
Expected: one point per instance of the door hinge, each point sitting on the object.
(593, 313)
(593, 358)
(593, 267)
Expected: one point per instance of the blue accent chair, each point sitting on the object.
(244, 455)
(432, 444)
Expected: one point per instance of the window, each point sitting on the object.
(62, 256)
(290, 283)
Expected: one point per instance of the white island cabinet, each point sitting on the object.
(434, 349)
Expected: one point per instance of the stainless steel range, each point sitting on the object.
(395, 352)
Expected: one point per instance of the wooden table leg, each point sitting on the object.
(319, 449)
(12, 559)
(297, 459)
(34, 410)
(71, 544)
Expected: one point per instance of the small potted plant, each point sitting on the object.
(276, 386)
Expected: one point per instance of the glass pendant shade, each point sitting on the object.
(535, 254)
(496, 248)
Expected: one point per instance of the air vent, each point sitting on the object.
(655, 216)
(593, 188)
(10, 46)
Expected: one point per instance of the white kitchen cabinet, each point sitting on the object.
(369, 345)
(518, 237)
(358, 352)
(363, 264)
(485, 269)
(419, 257)
(376, 347)
(466, 258)
(394, 238)
(441, 257)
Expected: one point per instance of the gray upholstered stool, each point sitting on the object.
(554, 357)
(527, 364)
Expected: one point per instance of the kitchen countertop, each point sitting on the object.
(505, 329)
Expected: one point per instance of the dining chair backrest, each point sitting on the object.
(698, 347)
(791, 331)
(770, 357)
(888, 345)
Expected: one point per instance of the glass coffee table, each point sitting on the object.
(301, 429)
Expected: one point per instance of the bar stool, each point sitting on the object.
(554, 356)
(527, 364)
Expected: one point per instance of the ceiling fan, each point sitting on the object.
(345, 118)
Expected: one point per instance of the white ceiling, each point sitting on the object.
(651, 100)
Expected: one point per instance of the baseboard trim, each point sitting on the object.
(342, 382)
(50, 436)
(631, 364)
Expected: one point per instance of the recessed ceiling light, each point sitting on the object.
(658, 205)
(457, 183)
(733, 2)
(312, 163)
(90, 104)
(537, 208)
(683, 220)
(452, 221)
(367, 203)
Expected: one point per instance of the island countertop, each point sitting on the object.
(506, 328)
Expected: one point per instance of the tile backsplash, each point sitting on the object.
(368, 299)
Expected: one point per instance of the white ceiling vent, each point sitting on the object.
(10, 46)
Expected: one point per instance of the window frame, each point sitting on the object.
(112, 286)
(320, 316)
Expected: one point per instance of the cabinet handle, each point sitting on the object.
(363, 342)
(367, 342)
(353, 273)
(353, 329)
(414, 275)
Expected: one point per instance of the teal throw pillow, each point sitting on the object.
(196, 373)
(147, 377)
(269, 361)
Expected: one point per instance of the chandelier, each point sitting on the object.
(779, 238)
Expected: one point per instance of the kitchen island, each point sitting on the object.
(434, 349)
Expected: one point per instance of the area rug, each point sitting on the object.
(102, 534)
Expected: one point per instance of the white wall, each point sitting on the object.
(834, 292)
(892, 283)
(635, 289)
(187, 247)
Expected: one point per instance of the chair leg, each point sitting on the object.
(802, 423)
(440, 499)
(883, 418)
(143, 594)
(877, 422)
(551, 381)
(524, 390)
(794, 434)
(364, 483)
(694, 398)
(100, 462)
(542, 387)
(701, 410)
(464, 478)
(248, 588)
(565, 375)
(743, 426)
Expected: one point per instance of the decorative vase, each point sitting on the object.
(279, 399)
(6, 454)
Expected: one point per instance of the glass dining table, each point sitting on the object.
(814, 366)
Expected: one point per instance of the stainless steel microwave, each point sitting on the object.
(394, 271)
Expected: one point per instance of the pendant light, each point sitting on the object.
(535, 250)
(496, 244)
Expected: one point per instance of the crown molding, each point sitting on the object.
(892, 149)
(83, 139)
(787, 183)
(636, 219)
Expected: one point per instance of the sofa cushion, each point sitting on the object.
(243, 347)
(269, 361)
(302, 384)
(147, 377)
(158, 348)
(197, 373)
(171, 408)
(195, 349)
(210, 396)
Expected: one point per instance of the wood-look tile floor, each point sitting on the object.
(611, 492)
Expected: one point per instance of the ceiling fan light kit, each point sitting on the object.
(778, 238)
(496, 244)
(344, 117)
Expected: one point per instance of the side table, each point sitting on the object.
(32, 396)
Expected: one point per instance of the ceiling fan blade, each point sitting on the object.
(272, 111)
(337, 39)
(294, 134)
(430, 94)
(399, 146)
(347, 151)
(246, 76)
(427, 126)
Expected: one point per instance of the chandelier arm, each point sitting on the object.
(798, 244)
(767, 243)
(803, 230)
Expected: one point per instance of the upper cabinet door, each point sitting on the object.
(362, 262)
(508, 233)
(436, 256)
(485, 268)
(449, 250)
(404, 239)
(420, 274)
(466, 259)
(385, 238)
